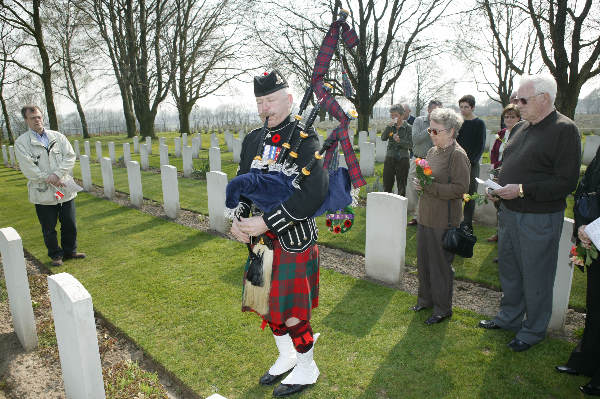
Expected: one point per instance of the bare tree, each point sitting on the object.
(390, 35)
(489, 66)
(25, 16)
(567, 33)
(208, 42)
(5, 53)
(428, 86)
(111, 25)
(70, 29)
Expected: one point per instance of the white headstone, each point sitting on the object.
(372, 135)
(177, 141)
(136, 144)
(188, 164)
(380, 149)
(13, 158)
(363, 137)
(134, 176)
(149, 144)
(485, 214)
(86, 173)
(563, 278)
(229, 141)
(126, 152)
(196, 144)
(237, 149)
(214, 140)
(170, 188)
(111, 151)
(216, 396)
(76, 149)
(17, 287)
(164, 155)
(385, 242)
(242, 136)
(214, 159)
(184, 139)
(367, 159)
(75, 328)
(216, 182)
(98, 151)
(162, 141)
(589, 149)
(86, 149)
(489, 139)
(107, 178)
(4, 155)
(144, 157)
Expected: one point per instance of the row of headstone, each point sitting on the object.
(73, 314)
(5, 155)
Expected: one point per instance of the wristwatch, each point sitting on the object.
(521, 194)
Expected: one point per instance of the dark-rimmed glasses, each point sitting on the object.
(524, 100)
(435, 131)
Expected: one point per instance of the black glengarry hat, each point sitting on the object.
(269, 83)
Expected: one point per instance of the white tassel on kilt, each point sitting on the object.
(306, 371)
(287, 355)
(256, 297)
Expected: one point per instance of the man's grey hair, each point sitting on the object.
(447, 118)
(542, 83)
(406, 108)
(397, 108)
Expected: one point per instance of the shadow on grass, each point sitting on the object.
(137, 228)
(372, 301)
(178, 246)
(413, 360)
(16, 178)
(106, 214)
(234, 277)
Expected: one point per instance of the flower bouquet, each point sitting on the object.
(582, 255)
(424, 172)
(340, 222)
(477, 198)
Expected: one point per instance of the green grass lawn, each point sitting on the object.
(176, 292)
(193, 196)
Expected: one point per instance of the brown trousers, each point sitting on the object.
(436, 276)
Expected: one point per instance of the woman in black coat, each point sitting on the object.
(585, 358)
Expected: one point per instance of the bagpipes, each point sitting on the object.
(268, 184)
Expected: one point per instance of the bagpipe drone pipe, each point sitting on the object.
(268, 184)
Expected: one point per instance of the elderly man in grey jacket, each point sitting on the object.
(46, 158)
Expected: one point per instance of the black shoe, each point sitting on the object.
(589, 389)
(518, 346)
(75, 255)
(566, 370)
(412, 222)
(268, 379)
(58, 261)
(417, 308)
(282, 390)
(437, 319)
(488, 325)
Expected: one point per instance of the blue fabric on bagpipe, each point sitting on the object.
(269, 190)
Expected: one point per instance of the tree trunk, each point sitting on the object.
(84, 126)
(566, 100)
(184, 119)
(146, 120)
(46, 74)
(127, 109)
(11, 138)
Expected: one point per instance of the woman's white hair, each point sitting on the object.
(447, 118)
(542, 83)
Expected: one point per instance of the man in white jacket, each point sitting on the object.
(46, 158)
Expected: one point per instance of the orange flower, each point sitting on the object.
(417, 161)
(466, 197)
(427, 171)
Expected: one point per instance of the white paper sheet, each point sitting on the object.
(593, 231)
(488, 183)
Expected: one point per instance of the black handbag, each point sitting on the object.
(587, 207)
(458, 240)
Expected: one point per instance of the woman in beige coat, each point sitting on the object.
(450, 167)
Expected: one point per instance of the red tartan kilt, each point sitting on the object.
(294, 284)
